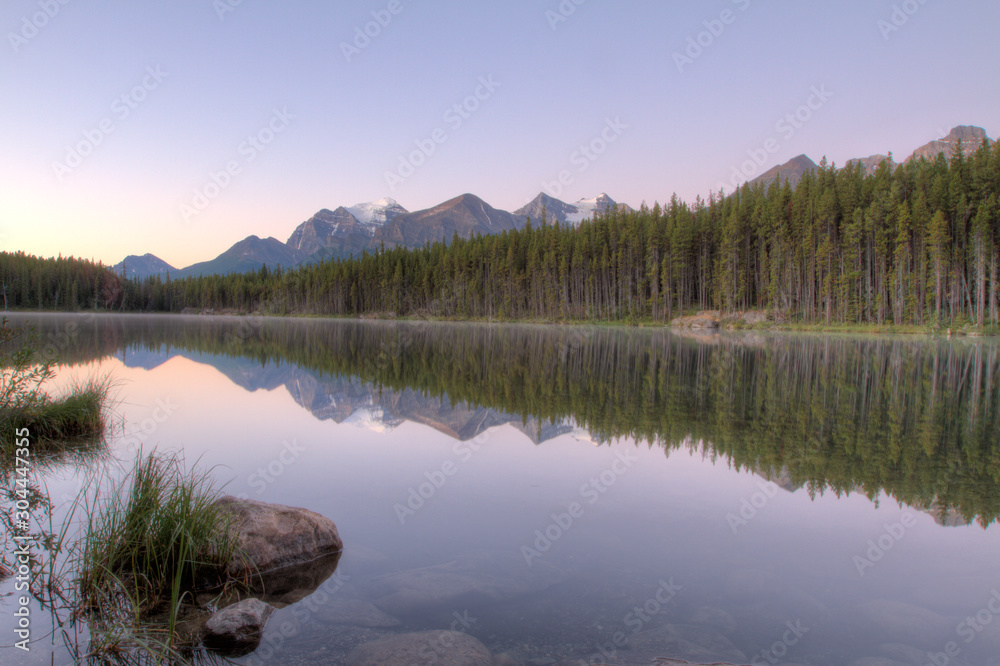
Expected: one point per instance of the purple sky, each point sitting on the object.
(117, 114)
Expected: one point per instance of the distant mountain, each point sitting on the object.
(336, 230)
(587, 208)
(343, 232)
(871, 164)
(464, 215)
(350, 231)
(248, 255)
(134, 267)
(565, 213)
(317, 231)
(792, 170)
(375, 214)
(970, 137)
(554, 209)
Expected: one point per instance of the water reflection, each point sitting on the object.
(917, 419)
(805, 438)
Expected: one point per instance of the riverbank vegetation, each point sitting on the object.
(915, 245)
(146, 541)
(79, 413)
(145, 547)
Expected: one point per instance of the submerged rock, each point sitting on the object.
(285, 586)
(485, 576)
(443, 648)
(663, 661)
(905, 655)
(700, 644)
(714, 617)
(358, 613)
(273, 536)
(279, 587)
(237, 629)
(906, 623)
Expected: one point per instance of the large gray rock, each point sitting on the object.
(237, 629)
(273, 536)
(442, 648)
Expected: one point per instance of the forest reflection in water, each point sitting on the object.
(915, 418)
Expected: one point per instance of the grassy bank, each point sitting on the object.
(729, 322)
(78, 414)
(25, 404)
(153, 537)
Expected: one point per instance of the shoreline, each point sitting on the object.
(723, 322)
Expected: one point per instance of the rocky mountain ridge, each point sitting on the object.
(366, 227)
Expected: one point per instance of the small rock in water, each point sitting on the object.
(237, 629)
(442, 648)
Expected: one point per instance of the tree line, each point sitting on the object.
(914, 244)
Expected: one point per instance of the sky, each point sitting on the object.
(179, 128)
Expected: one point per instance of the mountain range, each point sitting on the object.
(350, 231)
(969, 137)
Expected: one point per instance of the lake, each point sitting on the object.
(572, 495)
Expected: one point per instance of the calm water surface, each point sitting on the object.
(585, 495)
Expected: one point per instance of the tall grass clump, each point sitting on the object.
(154, 538)
(21, 376)
(78, 414)
(24, 403)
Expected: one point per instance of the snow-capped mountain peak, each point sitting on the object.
(585, 208)
(376, 213)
